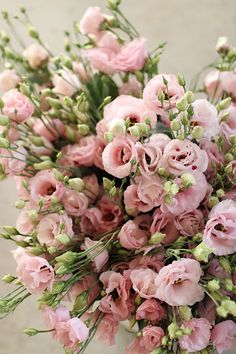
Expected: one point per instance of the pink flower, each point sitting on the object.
(217, 270)
(17, 106)
(154, 262)
(189, 223)
(228, 127)
(107, 330)
(23, 223)
(97, 253)
(81, 70)
(45, 150)
(111, 213)
(177, 283)
(118, 156)
(213, 84)
(52, 317)
(12, 133)
(71, 332)
(150, 310)
(220, 230)
(150, 192)
(223, 336)
(144, 282)
(21, 190)
(88, 283)
(199, 337)
(207, 309)
(160, 140)
(150, 93)
(117, 301)
(164, 223)
(91, 187)
(205, 115)
(81, 154)
(36, 55)
(149, 156)
(91, 21)
(8, 80)
(149, 340)
(228, 80)
(50, 131)
(181, 156)
(51, 226)
(132, 87)
(131, 57)
(66, 84)
(131, 236)
(44, 185)
(35, 273)
(131, 200)
(75, 203)
(14, 161)
(214, 155)
(91, 221)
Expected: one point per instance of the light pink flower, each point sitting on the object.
(182, 156)
(75, 203)
(35, 273)
(213, 84)
(36, 55)
(107, 330)
(228, 80)
(91, 187)
(189, 223)
(44, 185)
(23, 223)
(131, 236)
(220, 230)
(91, 21)
(91, 221)
(97, 253)
(150, 310)
(23, 193)
(177, 283)
(51, 225)
(199, 337)
(17, 106)
(52, 317)
(154, 262)
(149, 156)
(205, 115)
(217, 270)
(45, 150)
(118, 156)
(71, 332)
(88, 283)
(12, 133)
(81, 70)
(223, 336)
(66, 84)
(8, 80)
(132, 87)
(214, 155)
(150, 93)
(164, 223)
(131, 200)
(131, 57)
(81, 154)
(50, 131)
(150, 192)
(228, 127)
(160, 140)
(14, 161)
(117, 301)
(111, 213)
(149, 340)
(144, 282)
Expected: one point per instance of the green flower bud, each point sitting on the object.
(4, 120)
(201, 252)
(58, 175)
(33, 215)
(138, 300)
(8, 278)
(212, 201)
(220, 193)
(181, 80)
(221, 311)
(185, 312)
(117, 127)
(189, 95)
(223, 117)
(188, 180)
(25, 89)
(54, 102)
(228, 168)
(80, 301)
(33, 32)
(114, 4)
(172, 329)
(45, 165)
(37, 251)
(52, 249)
(161, 96)
(213, 285)
(175, 125)
(156, 238)
(76, 184)
(10, 230)
(31, 331)
(225, 264)
(20, 204)
(36, 140)
(63, 239)
(229, 306)
(232, 139)
(108, 136)
(4, 143)
(197, 132)
(224, 104)
(182, 104)
(83, 129)
(134, 131)
(228, 157)
(229, 285)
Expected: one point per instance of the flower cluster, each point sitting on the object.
(127, 189)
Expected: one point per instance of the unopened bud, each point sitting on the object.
(161, 96)
(45, 165)
(212, 201)
(83, 129)
(36, 140)
(224, 104)
(108, 136)
(182, 104)
(117, 127)
(4, 143)
(76, 184)
(202, 252)
(33, 32)
(58, 175)
(10, 230)
(213, 285)
(175, 125)
(156, 238)
(220, 193)
(33, 215)
(189, 95)
(4, 120)
(20, 204)
(63, 239)
(197, 132)
(188, 180)
(181, 80)
(8, 278)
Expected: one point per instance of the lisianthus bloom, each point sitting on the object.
(199, 337)
(223, 336)
(8, 80)
(36, 55)
(17, 106)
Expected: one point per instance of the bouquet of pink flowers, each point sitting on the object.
(127, 189)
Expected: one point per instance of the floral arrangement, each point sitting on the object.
(127, 189)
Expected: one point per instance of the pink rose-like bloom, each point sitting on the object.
(52, 317)
(132, 87)
(45, 150)
(117, 157)
(149, 340)
(131, 57)
(91, 221)
(164, 223)
(44, 185)
(17, 106)
(213, 85)
(205, 115)
(36, 55)
(99, 254)
(150, 93)
(149, 156)
(49, 227)
(91, 21)
(214, 155)
(80, 70)
(160, 140)
(107, 330)
(228, 127)
(14, 161)
(117, 301)
(150, 310)
(12, 134)
(131, 236)
(220, 230)
(81, 154)
(92, 188)
(189, 223)
(50, 131)
(111, 213)
(35, 273)
(144, 282)
(199, 337)
(154, 262)
(75, 203)
(8, 80)
(71, 332)
(66, 84)
(223, 336)
(187, 199)
(150, 192)
(21, 190)
(177, 283)
(182, 156)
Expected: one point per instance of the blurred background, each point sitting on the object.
(191, 29)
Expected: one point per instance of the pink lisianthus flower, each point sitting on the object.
(52, 317)
(199, 337)
(23, 223)
(177, 283)
(14, 161)
(223, 336)
(132, 87)
(150, 192)
(91, 21)
(149, 340)
(220, 230)
(144, 282)
(97, 253)
(132, 234)
(71, 333)
(36, 55)
(154, 262)
(207, 309)
(149, 156)
(92, 187)
(150, 310)
(17, 106)
(8, 80)
(88, 283)
(228, 127)
(66, 84)
(213, 84)
(214, 155)
(75, 203)
(189, 223)
(160, 140)
(164, 223)
(107, 330)
(50, 131)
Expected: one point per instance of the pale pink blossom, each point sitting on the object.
(207, 309)
(66, 84)
(22, 191)
(213, 84)
(132, 87)
(91, 21)
(75, 203)
(164, 223)
(160, 140)
(81, 70)
(12, 133)
(144, 282)
(36, 55)
(177, 283)
(88, 283)
(154, 262)
(97, 253)
(71, 332)
(199, 337)
(91, 221)
(228, 80)
(81, 154)
(217, 270)
(50, 131)
(45, 150)
(149, 156)
(228, 127)
(23, 223)
(92, 188)
(17, 106)
(150, 310)
(14, 161)
(9, 79)
(131, 236)
(215, 157)
(51, 317)
(223, 336)
(149, 340)
(150, 192)
(189, 223)
(107, 330)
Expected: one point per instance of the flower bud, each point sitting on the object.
(33, 215)
(232, 139)
(63, 239)
(182, 104)
(25, 89)
(54, 102)
(36, 140)
(175, 125)
(224, 104)
(10, 230)
(213, 285)
(134, 131)
(76, 184)
(31, 331)
(221, 311)
(172, 329)
(181, 80)
(223, 117)
(188, 180)
(220, 193)
(4, 143)
(52, 249)
(8, 278)
(80, 301)
(212, 201)
(20, 204)
(229, 306)
(58, 175)
(45, 165)
(83, 129)
(108, 136)
(201, 252)
(197, 132)
(225, 264)
(222, 45)
(185, 312)
(33, 32)
(4, 120)
(37, 251)
(117, 127)
(161, 96)
(189, 95)
(156, 238)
